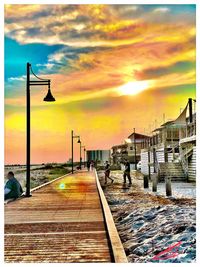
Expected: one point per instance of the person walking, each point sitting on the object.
(107, 173)
(88, 165)
(127, 172)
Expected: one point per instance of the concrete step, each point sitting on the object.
(172, 174)
(173, 170)
(174, 178)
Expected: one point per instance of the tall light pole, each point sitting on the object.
(79, 141)
(48, 98)
(135, 150)
(84, 157)
(83, 154)
(72, 138)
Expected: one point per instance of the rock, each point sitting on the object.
(150, 224)
(141, 250)
(179, 229)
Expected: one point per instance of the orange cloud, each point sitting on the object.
(124, 44)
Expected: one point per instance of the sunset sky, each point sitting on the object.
(112, 68)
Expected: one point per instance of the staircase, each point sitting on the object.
(184, 153)
(173, 170)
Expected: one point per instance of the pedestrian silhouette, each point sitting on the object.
(127, 172)
(107, 173)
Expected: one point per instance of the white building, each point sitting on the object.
(99, 156)
(171, 151)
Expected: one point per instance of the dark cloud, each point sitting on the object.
(152, 73)
(81, 19)
(182, 89)
(33, 31)
(75, 34)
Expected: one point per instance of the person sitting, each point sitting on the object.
(12, 189)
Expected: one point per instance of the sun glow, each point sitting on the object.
(133, 88)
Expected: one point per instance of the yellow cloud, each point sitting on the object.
(86, 89)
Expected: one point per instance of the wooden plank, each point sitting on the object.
(62, 222)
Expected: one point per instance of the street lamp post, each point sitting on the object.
(84, 157)
(72, 138)
(83, 154)
(48, 98)
(135, 150)
(79, 141)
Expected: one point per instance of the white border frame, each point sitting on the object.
(2, 93)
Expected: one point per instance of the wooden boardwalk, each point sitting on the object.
(62, 222)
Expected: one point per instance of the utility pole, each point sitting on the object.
(190, 109)
(163, 117)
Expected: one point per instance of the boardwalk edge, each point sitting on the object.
(116, 244)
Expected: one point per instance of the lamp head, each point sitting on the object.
(49, 97)
(79, 141)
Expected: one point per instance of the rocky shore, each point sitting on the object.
(152, 228)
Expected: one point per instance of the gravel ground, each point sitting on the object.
(149, 223)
